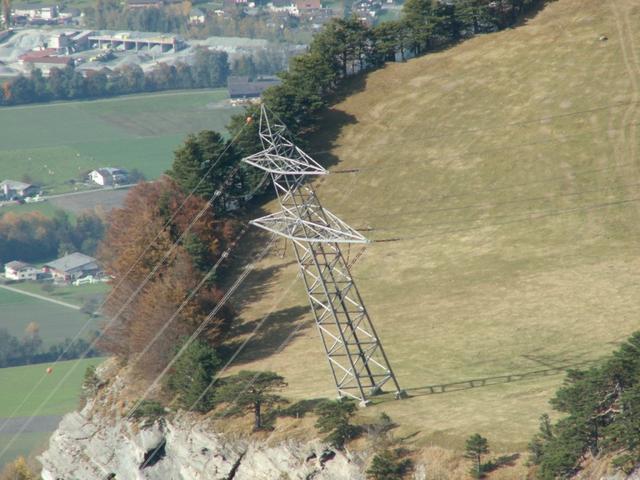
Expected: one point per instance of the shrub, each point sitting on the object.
(149, 410)
(387, 465)
(334, 420)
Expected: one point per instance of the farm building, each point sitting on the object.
(71, 267)
(242, 88)
(108, 176)
(10, 189)
(45, 59)
(20, 271)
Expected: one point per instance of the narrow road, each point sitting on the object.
(87, 192)
(41, 297)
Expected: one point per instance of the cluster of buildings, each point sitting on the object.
(367, 10)
(67, 269)
(59, 48)
(12, 190)
(42, 14)
(298, 8)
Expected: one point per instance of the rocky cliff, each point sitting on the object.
(99, 442)
(181, 448)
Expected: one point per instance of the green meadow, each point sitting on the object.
(54, 143)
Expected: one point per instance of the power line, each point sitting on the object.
(519, 123)
(92, 345)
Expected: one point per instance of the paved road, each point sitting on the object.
(41, 297)
(88, 192)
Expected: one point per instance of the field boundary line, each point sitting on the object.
(41, 297)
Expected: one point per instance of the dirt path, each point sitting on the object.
(41, 297)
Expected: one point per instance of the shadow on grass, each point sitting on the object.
(279, 329)
(503, 461)
(441, 388)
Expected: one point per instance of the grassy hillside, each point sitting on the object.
(506, 170)
(68, 138)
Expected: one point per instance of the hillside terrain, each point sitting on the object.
(500, 177)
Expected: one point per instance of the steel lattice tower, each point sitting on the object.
(358, 362)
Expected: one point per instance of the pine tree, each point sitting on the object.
(251, 391)
(203, 164)
(387, 465)
(476, 446)
(192, 376)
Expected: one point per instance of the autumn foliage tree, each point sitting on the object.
(160, 249)
(32, 236)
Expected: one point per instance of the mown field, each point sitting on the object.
(56, 322)
(18, 383)
(53, 143)
(505, 171)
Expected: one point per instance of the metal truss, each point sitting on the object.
(358, 363)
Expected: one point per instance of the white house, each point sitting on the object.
(108, 176)
(20, 271)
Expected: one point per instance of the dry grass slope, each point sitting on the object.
(507, 168)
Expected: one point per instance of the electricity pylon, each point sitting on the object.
(358, 362)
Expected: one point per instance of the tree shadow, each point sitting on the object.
(502, 461)
(324, 139)
(270, 334)
(255, 246)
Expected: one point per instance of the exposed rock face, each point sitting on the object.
(180, 448)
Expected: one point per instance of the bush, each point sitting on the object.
(388, 465)
(149, 410)
(90, 383)
(17, 470)
(334, 420)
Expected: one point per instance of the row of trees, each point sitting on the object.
(30, 349)
(161, 248)
(32, 237)
(209, 69)
(601, 408)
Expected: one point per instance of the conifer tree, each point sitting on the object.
(476, 447)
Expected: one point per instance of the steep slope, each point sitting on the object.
(505, 171)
